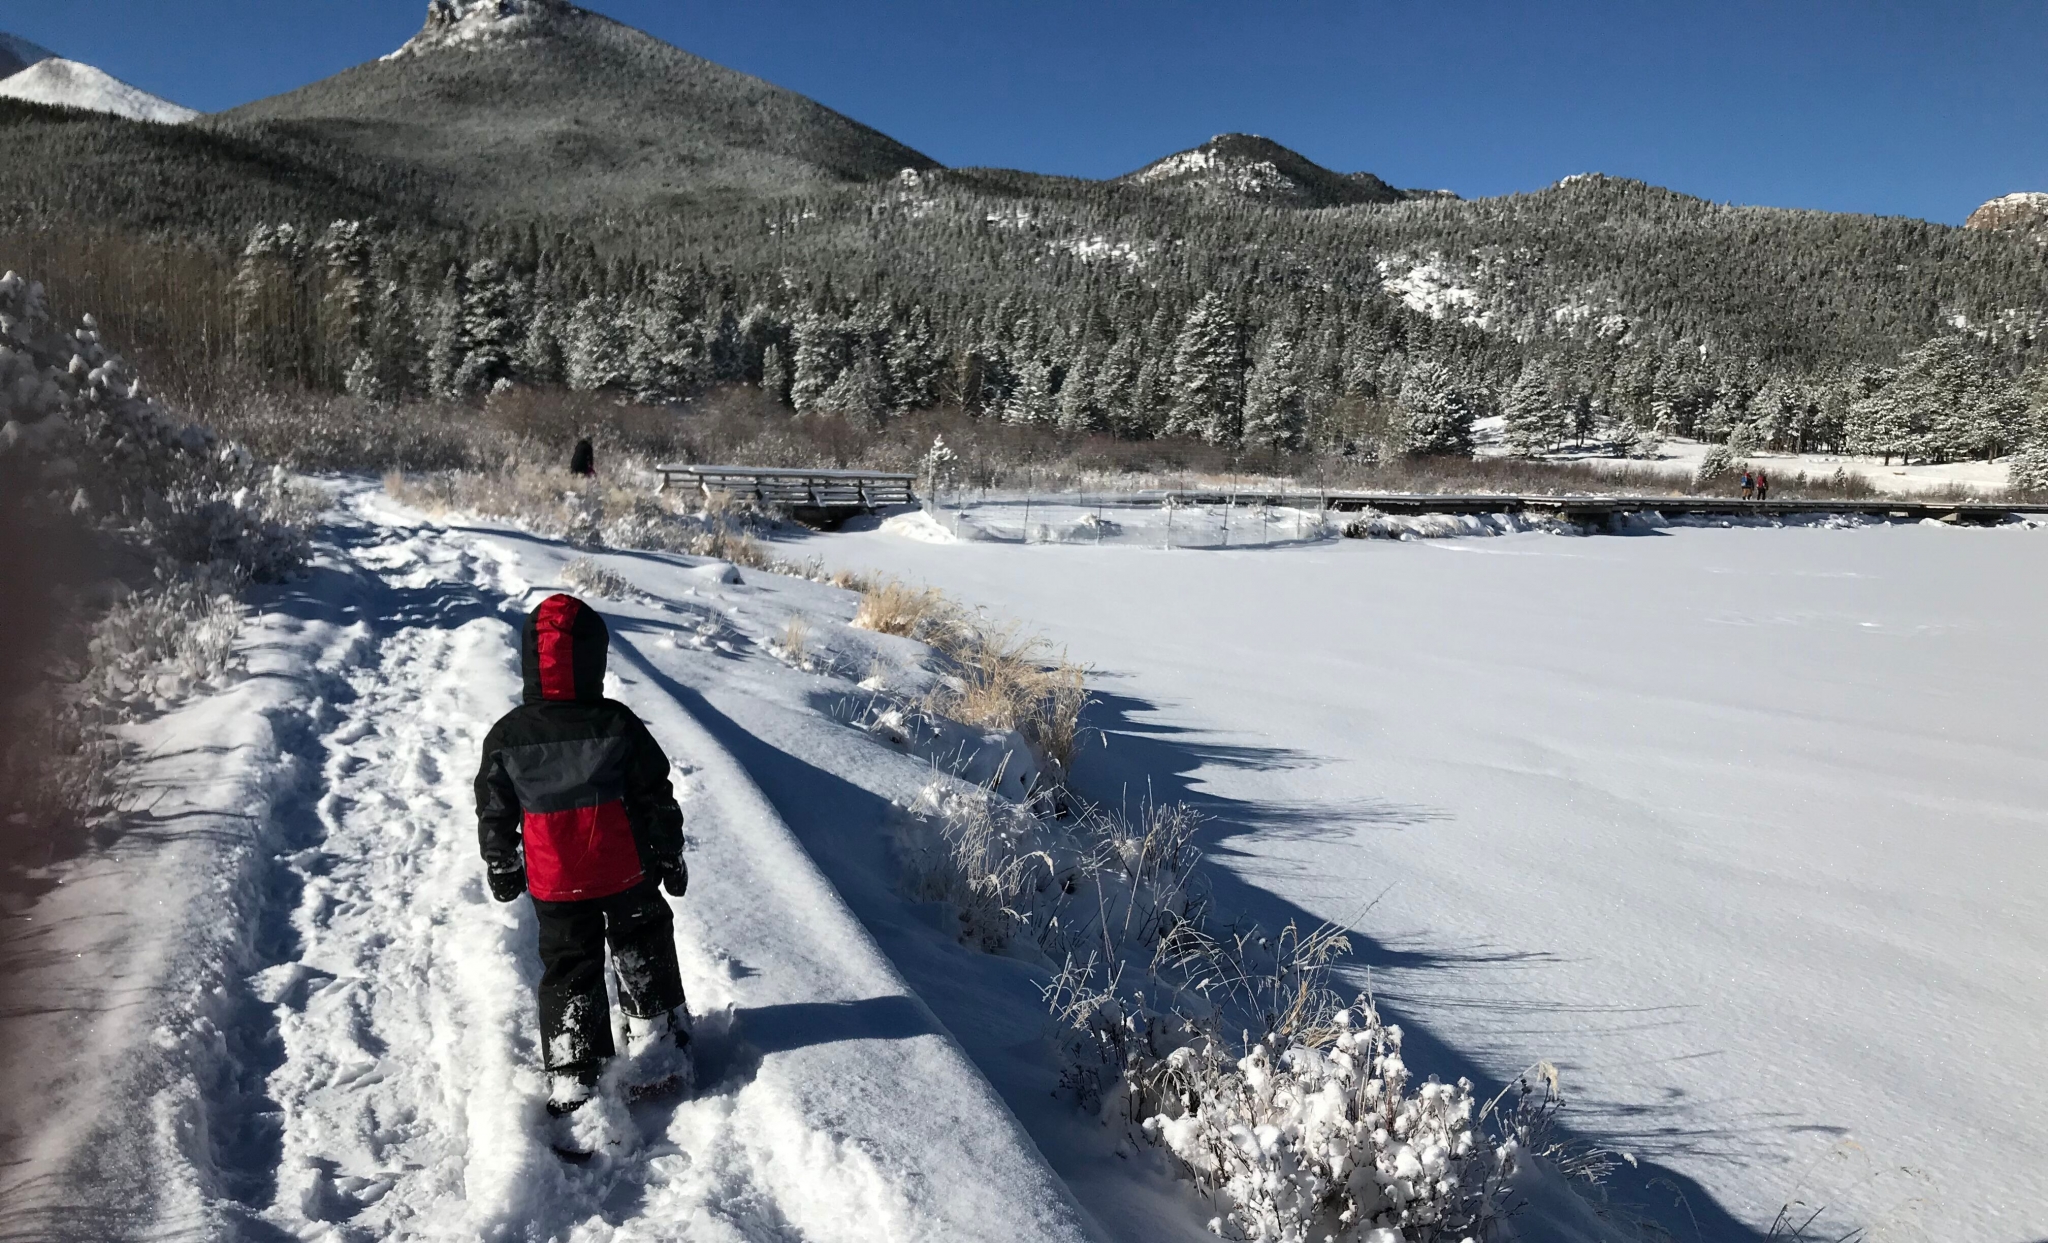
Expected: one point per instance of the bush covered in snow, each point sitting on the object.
(162, 522)
(75, 425)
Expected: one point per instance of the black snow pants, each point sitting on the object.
(575, 1016)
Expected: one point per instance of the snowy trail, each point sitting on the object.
(834, 1106)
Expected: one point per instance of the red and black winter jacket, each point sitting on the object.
(573, 779)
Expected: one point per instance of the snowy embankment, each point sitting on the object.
(1743, 828)
(308, 1016)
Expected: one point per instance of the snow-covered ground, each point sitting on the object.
(1681, 459)
(281, 1004)
(1742, 827)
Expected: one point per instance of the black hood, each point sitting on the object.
(563, 652)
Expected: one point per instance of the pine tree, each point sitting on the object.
(491, 329)
(1031, 403)
(445, 343)
(859, 394)
(1436, 413)
(597, 348)
(1078, 411)
(541, 356)
(913, 362)
(1207, 388)
(1535, 421)
(775, 373)
(1275, 415)
(820, 357)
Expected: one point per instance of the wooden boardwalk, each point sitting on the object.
(1602, 508)
(828, 495)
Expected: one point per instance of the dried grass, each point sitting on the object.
(997, 677)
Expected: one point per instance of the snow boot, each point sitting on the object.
(658, 1055)
(569, 1091)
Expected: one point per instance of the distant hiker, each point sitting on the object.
(1763, 486)
(583, 459)
(574, 806)
(1748, 486)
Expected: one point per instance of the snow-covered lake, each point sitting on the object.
(1744, 829)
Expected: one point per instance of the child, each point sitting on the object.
(574, 806)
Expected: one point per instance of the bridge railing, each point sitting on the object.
(797, 489)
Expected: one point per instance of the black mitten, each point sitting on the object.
(505, 886)
(676, 878)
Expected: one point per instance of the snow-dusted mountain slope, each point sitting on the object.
(69, 84)
(17, 54)
(1744, 827)
(538, 103)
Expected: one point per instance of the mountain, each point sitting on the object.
(17, 54)
(69, 84)
(1251, 167)
(537, 106)
(2026, 212)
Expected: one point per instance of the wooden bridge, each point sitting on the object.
(817, 495)
(1600, 509)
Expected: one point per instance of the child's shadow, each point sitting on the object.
(731, 1045)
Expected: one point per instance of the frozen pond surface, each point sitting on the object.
(1744, 829)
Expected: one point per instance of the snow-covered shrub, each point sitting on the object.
(159, 644)
(1296, 1115)
(589, 577)
(1327, 1138)
(90, 464)
(75, 425)
(1097, 881)
(1716, 465)
(2027, 470)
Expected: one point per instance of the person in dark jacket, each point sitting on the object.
(574, 807)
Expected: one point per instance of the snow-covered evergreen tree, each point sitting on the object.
(1436, 412)
(1535, 418)
(820, 351)
(1078, 410)
(914, 364)
(860, 393)
(1275, 415)
(1032, 402)
(775, 373)
(492, 329)
(1207, 393)
(597, 347)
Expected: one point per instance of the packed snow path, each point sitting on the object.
(833, 1107)
(1745, 828)
(371, 1071)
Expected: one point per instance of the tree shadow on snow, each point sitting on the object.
(1140, 757)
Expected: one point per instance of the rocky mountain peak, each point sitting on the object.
(1253, 167)
(472, 23)
(2026, 212)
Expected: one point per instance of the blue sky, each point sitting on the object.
(1922, 108)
